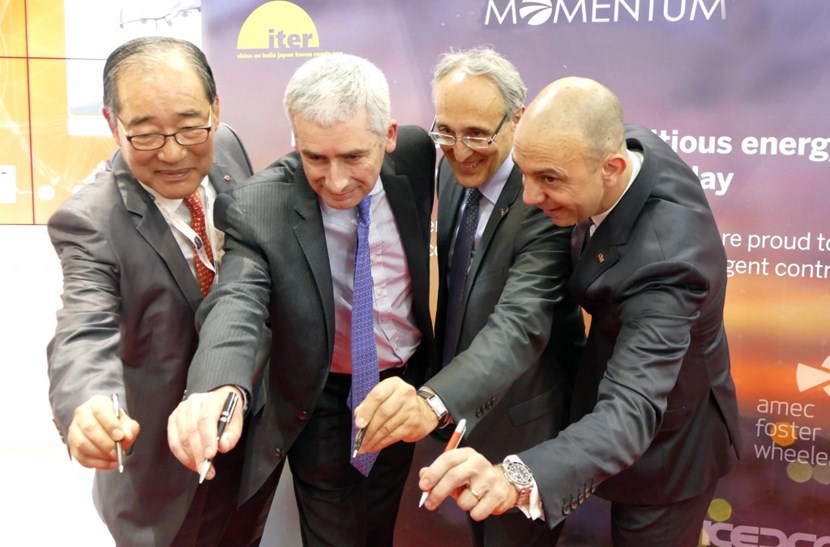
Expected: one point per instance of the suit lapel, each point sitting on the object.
(154, 229)
(450, 202)
(450, 195)
(220, 178)
(602, 250)
(501, 209)
(312, 239)
(402, 202)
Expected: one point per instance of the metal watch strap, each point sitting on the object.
(521, 477)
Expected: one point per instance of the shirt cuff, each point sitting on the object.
(532, 507)
(245, 398)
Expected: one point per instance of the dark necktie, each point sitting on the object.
(579, 237)
(197, 221)
(461, 256)
(364, 351)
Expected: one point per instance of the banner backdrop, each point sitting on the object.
(740, 89)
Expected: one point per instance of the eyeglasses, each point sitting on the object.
(442, 139)
(189, 136)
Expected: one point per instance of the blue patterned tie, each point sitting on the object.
(364, 352)
(461, 256)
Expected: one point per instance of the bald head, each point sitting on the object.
(570, 147)
(576, 108)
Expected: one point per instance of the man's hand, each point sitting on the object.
(478, 486)
(94, 430)
(393, 412)
(191, 428)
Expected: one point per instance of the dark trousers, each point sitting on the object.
(513, 529)
(338, 506)
(674, 525)
(213, 504)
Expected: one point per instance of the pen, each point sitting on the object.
(119, 452)
(358, 440)
(224, 418)
(454, 441)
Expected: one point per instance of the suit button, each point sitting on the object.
(303, 416)
(278, 453)
(566, 509)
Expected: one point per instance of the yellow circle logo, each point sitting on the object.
(278, 26)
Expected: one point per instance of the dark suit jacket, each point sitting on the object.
(655, 405)
(127, 327)
(276, 266)
(515, 292)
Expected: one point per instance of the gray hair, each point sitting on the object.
(484, 61)
(334, 88)
(147, 52)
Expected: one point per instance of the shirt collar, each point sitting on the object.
(326, 209)
(492, 188)
(170, 204)
(635, 158)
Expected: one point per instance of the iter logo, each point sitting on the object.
(277, 30)
(808, 377)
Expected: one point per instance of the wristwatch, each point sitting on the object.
(520, 476)
(437, 407)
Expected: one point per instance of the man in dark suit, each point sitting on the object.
(292, 236)
(509, 293)
(130, 294)
(655, 412)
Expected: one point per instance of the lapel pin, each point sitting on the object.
(601, 257)
(227, 178)
(503, 212)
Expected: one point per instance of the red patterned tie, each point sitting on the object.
(197, 221)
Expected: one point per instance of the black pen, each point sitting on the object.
(119, 452)
(224, 418)
(358, 440)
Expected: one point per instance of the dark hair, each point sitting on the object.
(147, 51)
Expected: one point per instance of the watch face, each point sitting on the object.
(519, 474)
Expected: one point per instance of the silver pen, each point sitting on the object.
(119, 452)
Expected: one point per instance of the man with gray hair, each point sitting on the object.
(503, 309)
(331, 245)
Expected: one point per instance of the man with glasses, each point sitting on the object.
(502, 306)
(139, 251)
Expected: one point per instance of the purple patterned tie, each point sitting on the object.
(462, 254)
(579, 237)
(364, 352)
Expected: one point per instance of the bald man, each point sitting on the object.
(655, 412)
